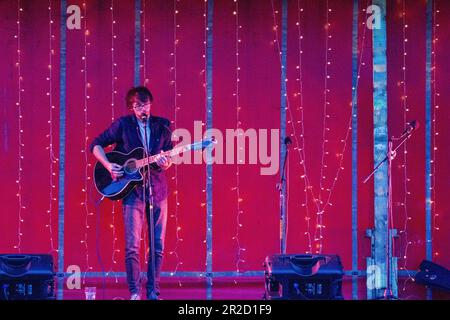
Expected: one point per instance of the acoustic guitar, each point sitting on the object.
(133, 164)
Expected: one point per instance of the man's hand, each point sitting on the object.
(115, 170)
(163, 162)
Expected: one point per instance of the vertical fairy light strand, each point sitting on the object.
(340, 155)
(144, 49)
(344, 141)
(203, 72)
(301, 122)
(208, 87)
(435, 133)
(236, 188)
(318, 236)
(113, 63)
(142, 71)
(112, 226)
(52, 158)
(87, 165)
(20, 134)
(176, 94)
(404, 100)
(291, 121)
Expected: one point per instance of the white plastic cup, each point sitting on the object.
(90, 293)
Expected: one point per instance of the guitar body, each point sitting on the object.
(120, 188)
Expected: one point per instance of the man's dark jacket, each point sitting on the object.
(124, 133)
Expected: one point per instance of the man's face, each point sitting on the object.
(140, 108)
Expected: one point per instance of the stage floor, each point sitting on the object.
(251, 288)
(175, 289)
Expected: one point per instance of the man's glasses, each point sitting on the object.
(141, 106)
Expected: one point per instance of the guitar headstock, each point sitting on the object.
(205, 143)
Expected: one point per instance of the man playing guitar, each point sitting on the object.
(140, 130)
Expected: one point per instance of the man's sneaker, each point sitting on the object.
(152, 296)
(135, 296)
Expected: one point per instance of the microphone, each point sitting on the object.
(411, 126)
(144, 117)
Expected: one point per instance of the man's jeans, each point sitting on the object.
(133, 222)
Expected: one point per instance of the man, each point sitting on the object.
(128, 133)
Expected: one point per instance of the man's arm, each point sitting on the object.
(115, 170)
(106, 138)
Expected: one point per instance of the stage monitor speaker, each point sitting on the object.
(26, 277)
(303, 277)
(433, 275)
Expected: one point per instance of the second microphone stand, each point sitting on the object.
(389, 158)
(281, 190)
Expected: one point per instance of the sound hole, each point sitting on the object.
(130, 166)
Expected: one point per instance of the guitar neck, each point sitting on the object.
(152, 159)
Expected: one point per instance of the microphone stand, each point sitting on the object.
(283, 179)
(389, 158)
(405, 136)
(151, 221)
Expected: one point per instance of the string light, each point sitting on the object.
(308, 186)
(239, 199)
(113, 99)
(176, 94)
(144, 50)
(143, 67)
(87, 165)
(435, 133)
(209, 214)
(318, 235)
(291, 121)
(20, 134)
(205, 23)
(114, 237)
(113, 63)
(347, 135)
(52, 158)
(340, 155)
(203, 72)
(349, 125)
(404, 102)
(300, 109)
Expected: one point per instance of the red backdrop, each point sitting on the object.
(259, 97)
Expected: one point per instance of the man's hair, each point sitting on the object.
(143, 94)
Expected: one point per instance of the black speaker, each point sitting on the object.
(433, 275)
(303, 277)
(26, 277)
